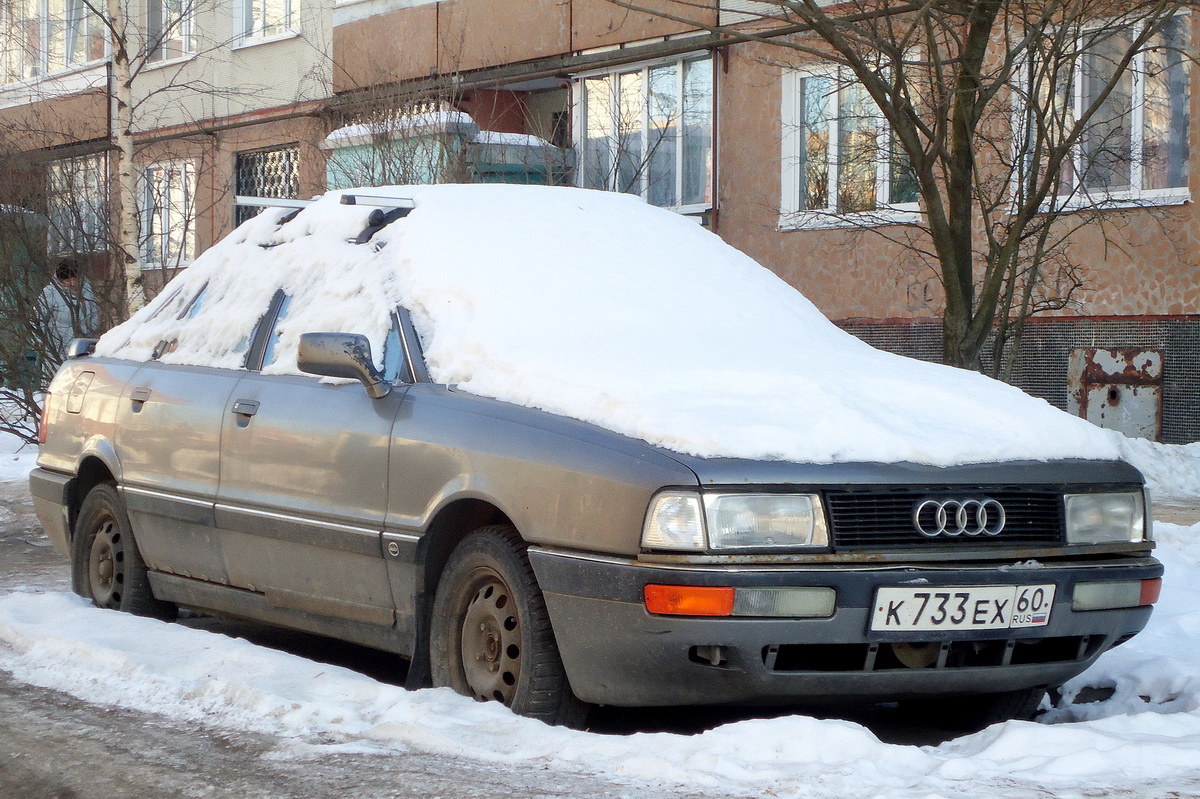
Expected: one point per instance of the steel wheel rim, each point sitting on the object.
(106, 572)
(490, 646)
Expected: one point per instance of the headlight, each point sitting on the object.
(1105, 518)
(765, 521)
(674, 521)
(681, 520)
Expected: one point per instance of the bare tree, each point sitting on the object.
(50, 291)
(1005, 125)
(163, 69)
(64, 220)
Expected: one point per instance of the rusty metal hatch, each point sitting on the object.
(1119, 389)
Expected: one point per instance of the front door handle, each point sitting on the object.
(139, 397)
(245, 407)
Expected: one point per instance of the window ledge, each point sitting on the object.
(169, 62)
(830, 220)
(50, 76)
(254, 41)
(1120, 202)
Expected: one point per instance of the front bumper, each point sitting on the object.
(617, 653)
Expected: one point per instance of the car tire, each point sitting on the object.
(106, 566)
(490, 635)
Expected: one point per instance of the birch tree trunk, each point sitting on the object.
(128, 249)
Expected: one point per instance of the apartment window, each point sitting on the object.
(840, 163)
(260, 19)
(168, 214)
(169, 29)
(266, 173)
(84, 39)
(647, 130)
(38, 37)
(77, 200)
(1136, 144)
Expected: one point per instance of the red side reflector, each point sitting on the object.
(689, 600)
(1150, 591)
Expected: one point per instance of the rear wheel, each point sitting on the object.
(106, 566)
(490, 635)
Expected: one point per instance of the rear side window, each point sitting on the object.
(271, 351)
(186, 309)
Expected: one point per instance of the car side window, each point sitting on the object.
(196, 303)
(271, 351)
(393, 355)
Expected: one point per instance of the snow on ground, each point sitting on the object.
(16, 458)
(1172, 471)
(597, 306)
(1142, 742)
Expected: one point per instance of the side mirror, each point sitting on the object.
(342, 355)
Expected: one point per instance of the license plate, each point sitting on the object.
(989, 607)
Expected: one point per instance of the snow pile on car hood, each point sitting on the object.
(596, 306)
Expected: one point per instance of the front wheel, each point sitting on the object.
(490, 634)
(106, 566)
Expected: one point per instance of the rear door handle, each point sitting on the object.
(139, 397)
(245, 407)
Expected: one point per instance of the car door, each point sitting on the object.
(167, 439)
(303, 492)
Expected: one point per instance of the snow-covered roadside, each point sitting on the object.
(58, 641)
(1141, 742)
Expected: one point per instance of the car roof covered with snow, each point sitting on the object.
(596, 306)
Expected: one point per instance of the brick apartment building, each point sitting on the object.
(286, 98)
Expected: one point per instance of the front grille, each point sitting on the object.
(882, 518)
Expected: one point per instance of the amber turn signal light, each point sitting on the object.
(689, 600)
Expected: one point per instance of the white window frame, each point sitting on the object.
(791, 215)
(255, 33)
(579, 113)
(179, 25)
(1081, 196)
(157, 221)
(56, 34)
(77, 200)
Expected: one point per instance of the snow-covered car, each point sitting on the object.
(558, 448)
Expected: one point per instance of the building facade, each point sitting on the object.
(284, 98)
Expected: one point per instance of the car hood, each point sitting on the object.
(740, 472)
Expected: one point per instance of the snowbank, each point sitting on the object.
(1172, 471)
(596, 306)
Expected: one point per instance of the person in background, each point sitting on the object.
(69, 306)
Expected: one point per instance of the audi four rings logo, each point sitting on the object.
(953, 517)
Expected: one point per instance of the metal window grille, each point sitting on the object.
(1043, 362)
(266, 173)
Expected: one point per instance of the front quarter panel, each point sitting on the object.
(561, 482)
